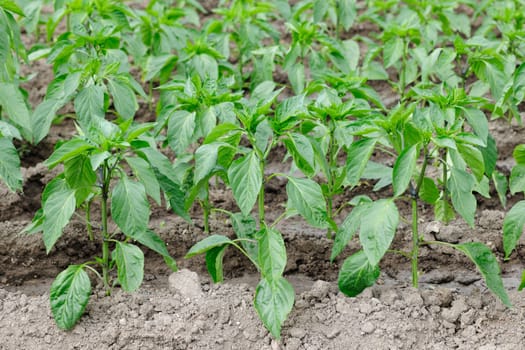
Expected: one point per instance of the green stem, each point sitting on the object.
(332, 155)
(105, 234)
(415, 229)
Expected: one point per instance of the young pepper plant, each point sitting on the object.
(118, 167)
(258, 239)
(430, 134)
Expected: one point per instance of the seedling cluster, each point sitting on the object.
(397, 93)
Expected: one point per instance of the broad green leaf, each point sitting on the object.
(272, 254)
(403, 169)
(214, 262)
(443, 211)
(347, 12)
(392, 51)
(142, 170)
(461, 184)
(490, 155)
(501, 184)
(11, 5)
(358, 155)
(517, 179)
(474, 159)
(9, 131)
(124, 98)
(478, 121)
(306, 196)
(58, 209)
(43, 116)
(429, 192)
(10, 171)
(245, 228)
(175, 194)
(181, 127)
(487, 264)
(513, 227)
(302, 152)
(89, 104)
(207, 244)
(296, 75)
(273, 302)
(80, 176)
(348, 229)
(151, 240)
(12, 101)
(130, 266)
(519, 154)
(205, 160)
(158, 161)
(357, 274)
(378, 227)
(246, 180)
(68, 150)
(129, 206)
(69, 296)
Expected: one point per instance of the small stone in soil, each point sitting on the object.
(368, 328)
(186, 283)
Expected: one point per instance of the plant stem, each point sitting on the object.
(331, 176)
(260, 197)
(105, 235)
(414, 254)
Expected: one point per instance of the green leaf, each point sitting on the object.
(80, 176)
(478, 121)
(151, 240)
(403, 169)
(517, 179)
(273, 302)
(68, 150)
(245, 228)
(130, 265)
(358, 155)
(378, 227)
(522, 284)
(181, 127)
(513, 227)
(246, 180)
(10, 171)
(272, 254)
(69, 296)
(296, 75)
(12, 100)
(501, 184)
(443, 211)
(474, 159)
(461, 184)
(89, 104)
(302, 152)
(348, 229)
(429, 192)
(129, 206)
(124, 98)
(347, 13)
(205, 160)
(58, 209)
(306, 196)
(175, 194)
(207, 244)
(357, 274)
(214, 263)
(10, 5)
(519, 154)
(392, 51)
(142, 170)
(490, 155)
(487, 264)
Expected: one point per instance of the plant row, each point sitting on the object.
(227, 88)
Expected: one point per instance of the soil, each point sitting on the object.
(452, 309)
